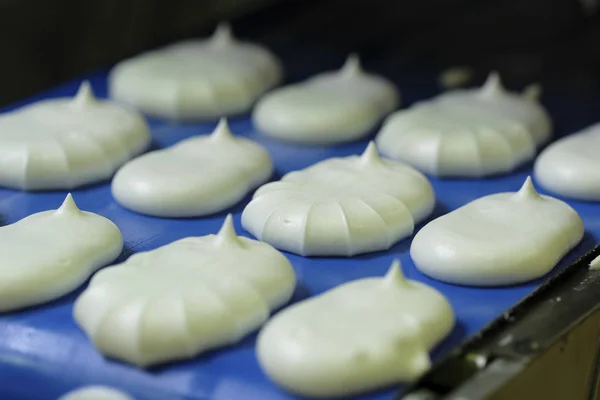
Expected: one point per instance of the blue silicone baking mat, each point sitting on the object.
(43, 354)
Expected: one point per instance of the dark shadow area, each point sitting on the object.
(527, 41)
(154, 145)
(458, 335)
(129, 248)
(301, 293)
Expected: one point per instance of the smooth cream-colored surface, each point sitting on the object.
(467, 133)
(197, 176)
(182, 299)
(48, 254)
(331, 107)
(65, 143)
(571, 166)
(500, 239)
(197, 78)
(362, 335)
(522, 108)
(95, 392)
(341, 206)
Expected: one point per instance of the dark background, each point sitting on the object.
(44, 42)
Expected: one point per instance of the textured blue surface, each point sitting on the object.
(43, 354)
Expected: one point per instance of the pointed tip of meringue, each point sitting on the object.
(492, 86)
(394, 275)
(223, 34)
(227, 232)
(222, 130)
(527, 191)
(68, 206)
(352, 66)
(85, 94)
(370, 156)
(533, 92)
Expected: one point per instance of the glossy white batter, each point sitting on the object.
(571, 166)
(48, 254)
(331, 107)
(500, 239)
(522, 108)
(595, 264)
(467, 133)
(340, 206)
(363, 335)
(182, 299)
(197, 176)
(95, 392)
(64, 143)
(197, 79)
